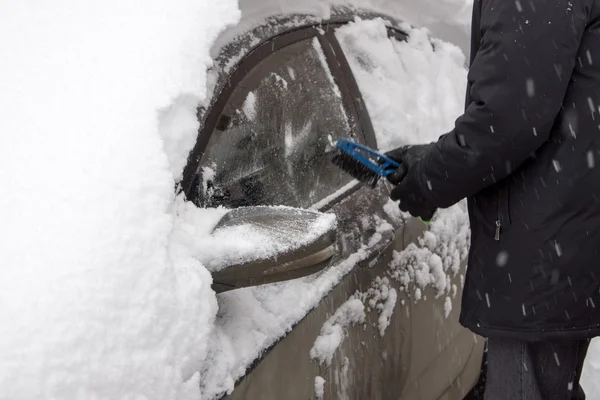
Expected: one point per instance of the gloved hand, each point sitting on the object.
(410, 154)
(407, 189)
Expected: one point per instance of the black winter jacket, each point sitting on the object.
(526, 153)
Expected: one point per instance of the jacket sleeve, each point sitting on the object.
(518, 80)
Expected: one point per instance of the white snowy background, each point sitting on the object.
(101, 294)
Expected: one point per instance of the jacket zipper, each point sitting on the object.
(498, 223)
(498, 229)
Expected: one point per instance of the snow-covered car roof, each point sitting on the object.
(447, 19)
(262, 20)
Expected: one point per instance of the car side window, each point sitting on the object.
(276, 134)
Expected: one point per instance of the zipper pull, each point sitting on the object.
(498, 227)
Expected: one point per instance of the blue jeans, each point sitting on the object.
(534, 370)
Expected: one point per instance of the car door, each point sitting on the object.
(395, 74)
(268, 140)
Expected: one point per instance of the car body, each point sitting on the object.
(284, 91)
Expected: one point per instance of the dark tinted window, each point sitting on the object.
(275, 136)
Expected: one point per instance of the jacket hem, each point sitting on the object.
(532, 335)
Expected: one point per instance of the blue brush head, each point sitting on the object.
(367, 165)
(373, 160)
(363, 163)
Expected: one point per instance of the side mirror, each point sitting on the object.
(301, 243)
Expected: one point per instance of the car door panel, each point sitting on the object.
(439, 342)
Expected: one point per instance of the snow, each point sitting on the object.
(448, 19)
(413, 93)
(334, 330)
(242, 243)
(447, 306)
(249, 106)
(98, 104)
(387, 309)
(178, 126)
(437, 256)
(319, 387)
(434, 261)
(380, 297)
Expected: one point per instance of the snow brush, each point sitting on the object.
(367, 165)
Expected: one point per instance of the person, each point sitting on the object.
(526, 154)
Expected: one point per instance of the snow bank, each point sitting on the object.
(98, 103)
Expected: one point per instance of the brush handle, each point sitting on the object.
(396, 176)
(350, 145)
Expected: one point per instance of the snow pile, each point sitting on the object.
(386, 309)
(413, 93)
(382, 298)
(232, 244)
(436, 258)
(333, 331)
(98, 103)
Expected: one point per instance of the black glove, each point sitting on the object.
(410, 154)
(407, 189)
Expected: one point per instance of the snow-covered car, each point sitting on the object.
(105, 289)
(374, 314)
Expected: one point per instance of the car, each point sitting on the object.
(379, 316)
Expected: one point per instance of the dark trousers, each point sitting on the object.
(534, 370)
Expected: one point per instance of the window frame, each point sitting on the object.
(340, 70)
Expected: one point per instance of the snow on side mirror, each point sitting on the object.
(272, 244)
